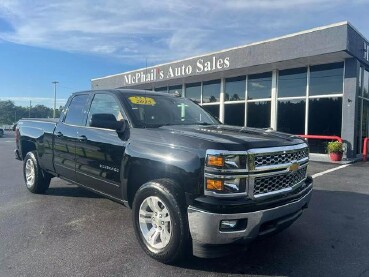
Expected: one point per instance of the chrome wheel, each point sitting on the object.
(155, 223)
(30, 173)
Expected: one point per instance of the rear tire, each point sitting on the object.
(160, 220)
(37, 181)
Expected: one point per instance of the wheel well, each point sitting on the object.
(141, 175)
(27, 146)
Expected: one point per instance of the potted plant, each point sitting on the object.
(335, 150)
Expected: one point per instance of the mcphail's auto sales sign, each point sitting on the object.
(202, 65)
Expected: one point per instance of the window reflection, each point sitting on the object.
(326, 79)
(175, 89)
(259, 86)
(292, 82)
(212, 109)
(258, 114)
(234, 114)
(161, 89)
(291, 116)
(235, 88)
(193, 91)
(211, 91)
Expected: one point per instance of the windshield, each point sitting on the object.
(160, 110)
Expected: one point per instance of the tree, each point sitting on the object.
(10, 113)
(7, 112)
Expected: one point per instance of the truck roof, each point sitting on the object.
(126, 91)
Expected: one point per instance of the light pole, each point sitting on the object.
(55, 82)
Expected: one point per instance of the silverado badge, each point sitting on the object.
(294, 167)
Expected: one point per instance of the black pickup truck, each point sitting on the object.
(192, 182)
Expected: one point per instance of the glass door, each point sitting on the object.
(365, 121)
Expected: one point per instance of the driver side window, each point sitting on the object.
(104, 104)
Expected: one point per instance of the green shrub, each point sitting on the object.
(335, 147)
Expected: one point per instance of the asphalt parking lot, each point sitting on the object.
(73, 232)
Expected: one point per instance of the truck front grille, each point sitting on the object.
(268, 184)
(269, 159)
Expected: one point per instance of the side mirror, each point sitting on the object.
(107, 121)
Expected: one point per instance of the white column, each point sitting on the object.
(273, 112)
(221, 106)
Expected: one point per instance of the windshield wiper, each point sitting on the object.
(151, 125)
(176, 123)
(199, 123)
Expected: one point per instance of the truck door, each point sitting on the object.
(99, 151)
(65, 136)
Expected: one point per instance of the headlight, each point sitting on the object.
(215, 161)
(225, 173)
(226, 161)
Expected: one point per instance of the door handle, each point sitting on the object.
(59, 134)
(82, 138)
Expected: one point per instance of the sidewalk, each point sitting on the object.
(324, 158)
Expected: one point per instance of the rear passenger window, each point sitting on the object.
(75, 112)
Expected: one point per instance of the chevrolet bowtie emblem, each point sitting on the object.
(293, 167)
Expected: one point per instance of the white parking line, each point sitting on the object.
(330, 170)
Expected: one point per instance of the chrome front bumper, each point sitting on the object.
(205, 226)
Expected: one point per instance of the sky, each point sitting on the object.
(72, 42)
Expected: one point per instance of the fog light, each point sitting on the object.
(228, 224)
(233, 225)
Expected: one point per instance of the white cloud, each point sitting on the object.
(159, 30)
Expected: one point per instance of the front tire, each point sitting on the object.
(37, 181)
(160, 220)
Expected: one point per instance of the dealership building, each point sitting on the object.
(314, 82)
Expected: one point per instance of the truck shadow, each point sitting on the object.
(329, 238)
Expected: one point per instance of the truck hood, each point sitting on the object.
(222, 137)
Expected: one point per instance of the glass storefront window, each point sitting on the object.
(211, 91)
(292, 82)
(235, 88)
(358, 126)
(234, 114)
(212, 109)
(258, 114)
(325, 118)
(176, 89)
(326, 79)
(161, 89)
(360, 80)
(365, 120)
(291, 116)
(366, 84)
(259, 86)
(193, 91)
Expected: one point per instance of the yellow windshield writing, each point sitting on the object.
(141, 100)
